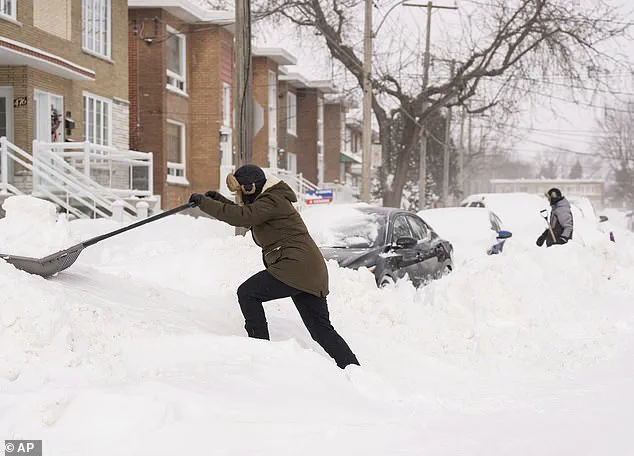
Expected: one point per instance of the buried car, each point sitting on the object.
(391, 243)
(473, 231)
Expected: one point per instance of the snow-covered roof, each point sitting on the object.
(278, 55)
(301, 82)
(187, 10)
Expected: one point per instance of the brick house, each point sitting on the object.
(352, 151)
(63, 61)
(301, 134)
(181, 74)
(266, 65)
(334, 139)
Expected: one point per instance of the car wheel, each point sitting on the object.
(385, 281)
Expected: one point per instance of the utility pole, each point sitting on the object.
(242, 89)
(423, 129)
(243, 83)
(461, 155)
(367, 103)
(469, 157)
(447, 149)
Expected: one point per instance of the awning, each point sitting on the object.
(14, 53)
(347, 158)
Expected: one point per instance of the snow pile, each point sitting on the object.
(467, 228)
(31, 228)
(520, 212)
(141, 346)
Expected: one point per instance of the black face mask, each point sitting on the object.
(250, 199)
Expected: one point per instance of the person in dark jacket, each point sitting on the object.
(294, 265)
(561, 221)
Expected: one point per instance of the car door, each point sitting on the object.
(405, 260)
(425, 250)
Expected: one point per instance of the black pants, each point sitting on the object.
(264, 287)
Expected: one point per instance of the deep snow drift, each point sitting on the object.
(139, 348)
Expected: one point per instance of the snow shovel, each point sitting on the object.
(544, 213)
(52, 264)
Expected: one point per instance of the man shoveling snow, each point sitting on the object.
(294, 265)
(560, 226)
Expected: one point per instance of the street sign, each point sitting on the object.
(313, 197)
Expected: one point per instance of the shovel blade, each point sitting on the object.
(47, 266)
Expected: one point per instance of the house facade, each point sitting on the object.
(334, 139)
(64, 72)
(303, 139)
(181, 77)
(266, 67)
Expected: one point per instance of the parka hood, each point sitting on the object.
(279, 188)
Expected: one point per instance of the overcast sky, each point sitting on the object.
(556, 124)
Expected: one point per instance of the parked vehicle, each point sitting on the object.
(473, 231)
(391, 243)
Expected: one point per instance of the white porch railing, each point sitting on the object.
(296, 181)
(125, 173)
(74, 189)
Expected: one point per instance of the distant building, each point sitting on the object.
(590, 188)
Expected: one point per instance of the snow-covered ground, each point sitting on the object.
(139, 349)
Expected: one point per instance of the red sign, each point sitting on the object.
(311, 201)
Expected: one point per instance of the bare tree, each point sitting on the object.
(616, 143)
(507, 50)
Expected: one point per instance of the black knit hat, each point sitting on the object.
(554, 195)
(252, 179)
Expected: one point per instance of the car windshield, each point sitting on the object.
(345, 227)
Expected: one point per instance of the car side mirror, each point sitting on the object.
(406, 242)
(504, 234)
(602, 218)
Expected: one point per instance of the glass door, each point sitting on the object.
(6, 121)
(6, 112)
(49, 117)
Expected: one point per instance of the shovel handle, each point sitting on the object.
(154, 218)
(550, 228)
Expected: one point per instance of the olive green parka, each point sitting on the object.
(288, 252)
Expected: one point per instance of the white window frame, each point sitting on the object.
(226, 105)
(174, 168)
(291, 113)
(7, 92)
(173, 79)
(11, 15)
(93, 41)
(104, 101)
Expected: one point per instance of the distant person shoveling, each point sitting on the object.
(560, 225)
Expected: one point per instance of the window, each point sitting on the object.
(291, 113)
(176, 144)
(418, 228)
(8, 8)
(96, 27)
(97, 119)
(401, 229)
(226, 105)
(176, 60)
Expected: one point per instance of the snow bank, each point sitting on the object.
(31, 228)
(141, 346)
(468, 230)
